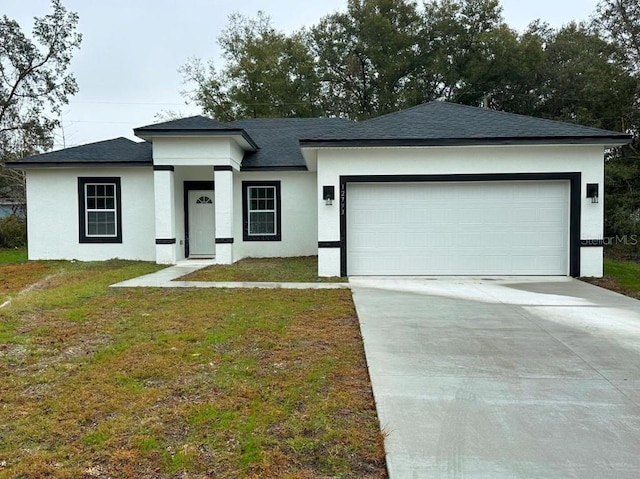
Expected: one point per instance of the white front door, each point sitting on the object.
(202, 230)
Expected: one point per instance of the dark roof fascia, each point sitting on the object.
(614, 140)
(180, 132)
(274, 168)
(69, 164)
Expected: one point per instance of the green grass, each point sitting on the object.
(303, 269)
(13, 255)
(627, 273)
(100, 382)
(621, 276)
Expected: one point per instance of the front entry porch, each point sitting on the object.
(193, 213)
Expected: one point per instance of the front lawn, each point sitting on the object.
(620, 276)
(303, 269)
(165, 383)
(13, 255)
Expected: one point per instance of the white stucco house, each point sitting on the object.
(438, 189)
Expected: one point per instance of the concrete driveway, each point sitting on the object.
(503, 378)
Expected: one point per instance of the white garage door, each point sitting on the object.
(466, 228)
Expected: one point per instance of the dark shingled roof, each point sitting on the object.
(116, 151)
(192, 123)
(278, 139)
(442, 123)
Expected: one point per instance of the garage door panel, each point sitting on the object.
(471, 228)
(467, 216)
(551, 215)
(520, 214)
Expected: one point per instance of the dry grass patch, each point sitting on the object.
(183, 383)
(15, 277)
(16, 274)
(302, 269)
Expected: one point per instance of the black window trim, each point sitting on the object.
(245, 211)
(82, 181)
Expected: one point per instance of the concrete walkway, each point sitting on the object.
(165, 278)
(503, 378)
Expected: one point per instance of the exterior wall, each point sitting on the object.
(591, 261)
(53, 223)
(299, 216)
(333, 163)
(223, 180)
(165, 227)
(194, 151)
(53, 217)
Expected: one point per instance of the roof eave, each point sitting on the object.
(149, 134)
(606, 141)
(275, 168)
(23, 165)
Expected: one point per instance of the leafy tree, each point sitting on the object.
(266, 74)
(367, 56)
(622, 202)
(34, 83)
(377, 57)
(619, 22)
(383, 55)
(583, 82)
(469, 49)
(517, 89)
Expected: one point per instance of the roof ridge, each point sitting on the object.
(397, 112)
(168, 123)
(92, 143)
(289, 118)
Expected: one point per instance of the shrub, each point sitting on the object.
(13, 232)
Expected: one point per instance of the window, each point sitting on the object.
(100, 212)
(261, 210)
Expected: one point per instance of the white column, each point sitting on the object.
(165, 211)
(223, 186)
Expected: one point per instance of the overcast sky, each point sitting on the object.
(131, 50)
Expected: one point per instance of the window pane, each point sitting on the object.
(262, 223)
(101, 223)
(100, 197)
(261, 198)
